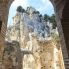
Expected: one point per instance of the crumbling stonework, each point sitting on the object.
(58, 5)
(34, 36)
(42, 56)
(12, 58)
(47, 55)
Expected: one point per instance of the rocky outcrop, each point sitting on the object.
(27, 23)
(12, 58)
(36, 46)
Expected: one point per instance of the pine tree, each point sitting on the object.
(46, 17)
(20, 9)
(53, 21)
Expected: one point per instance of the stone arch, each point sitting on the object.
(61, 9)
(65, 24)
(58, 8)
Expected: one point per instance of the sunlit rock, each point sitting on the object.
(37, 47)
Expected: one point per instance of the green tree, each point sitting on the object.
(53, 21)
(37, 12)
(20, 9)
(46, 17)
(23, 10)
(40, 15)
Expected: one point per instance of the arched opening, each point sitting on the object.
(41, 49)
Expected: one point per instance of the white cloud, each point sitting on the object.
(46, 6)
(46, 3)
(43, 1)
(23, 3)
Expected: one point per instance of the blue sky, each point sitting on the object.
(43, 6)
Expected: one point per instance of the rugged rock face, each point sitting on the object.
(34, 37)
(27, 23)
(45, 55)
(12, 58)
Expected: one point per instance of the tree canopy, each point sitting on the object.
(53, 21)
(46, 17)
(20, 9)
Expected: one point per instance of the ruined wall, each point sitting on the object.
(4, 26)
(29, 31)
(12, 58)
(47, 55)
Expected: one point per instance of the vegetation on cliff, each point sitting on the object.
(46, 17)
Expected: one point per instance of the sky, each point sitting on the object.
(43, 6)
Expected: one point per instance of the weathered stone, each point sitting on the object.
(63, 30)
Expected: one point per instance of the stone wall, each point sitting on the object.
(12, 58)
(47, 55)
(59, 4)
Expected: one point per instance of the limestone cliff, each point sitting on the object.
(36, 45)
(24, 24)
